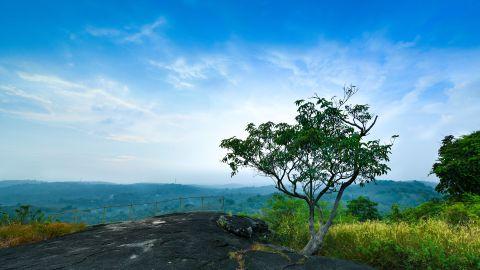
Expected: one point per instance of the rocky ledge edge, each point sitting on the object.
(201, 240)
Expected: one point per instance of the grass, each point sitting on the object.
(17, 234)
(430, 244)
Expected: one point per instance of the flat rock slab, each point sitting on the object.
(176, 241)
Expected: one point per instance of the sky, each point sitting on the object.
(144, 91)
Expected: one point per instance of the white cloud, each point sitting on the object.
(103, 32)
(128, 35)
(11, 90)
(147, 30)
(120, 158)
(127, 138)
(187, 74)
(49, 80)
(103, 107)
(420, 95)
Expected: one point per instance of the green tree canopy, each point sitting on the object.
(324, 151)
(458, 165)
(363, 208)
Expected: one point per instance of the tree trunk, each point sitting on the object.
(311, 219)
(316, 240)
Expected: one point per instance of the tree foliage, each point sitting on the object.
(458, 165)
(324, 151)
(363, 209)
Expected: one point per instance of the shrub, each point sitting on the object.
(24, 214)
(363, 209)
(287, 218)
(455, 211)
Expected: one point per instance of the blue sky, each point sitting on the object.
(145, 90)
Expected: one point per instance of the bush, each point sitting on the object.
(429, 244)
(455, 211)
(363, 209)
(24, 214)
(288, 220)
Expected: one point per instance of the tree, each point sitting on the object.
(363, 208)
(324, 151)
(395, 213)
(458, 165)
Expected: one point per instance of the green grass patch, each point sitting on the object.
(430, 244)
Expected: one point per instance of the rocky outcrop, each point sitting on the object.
(246, 227)
(176, 241)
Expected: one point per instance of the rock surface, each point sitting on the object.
(176, 241)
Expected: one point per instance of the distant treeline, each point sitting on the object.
(54, 197)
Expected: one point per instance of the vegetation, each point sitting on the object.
(23, 215)
(434, 235)
(461, 210)
(458, 165)
(67, 196)
(428, 244)
(16, 234)
(287, 218)
(28, 226)
(324, 152)
(363, 209)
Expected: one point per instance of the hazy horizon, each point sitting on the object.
(110, 91)
(252, 183)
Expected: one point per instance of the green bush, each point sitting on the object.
(24, 214)
(455, 211)
(288, 220)
(363, 209)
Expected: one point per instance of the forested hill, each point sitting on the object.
(68, 195)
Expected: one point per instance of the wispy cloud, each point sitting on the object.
(130, 34)
(420, 95)
(145, 31)
(52, 81)
(103, 32)
(186, 74)
(14, 91)
(105, 108)
(127, 138)
(120, 158)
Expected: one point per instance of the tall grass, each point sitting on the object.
(15, 234)
(429, 244)
(434, 235)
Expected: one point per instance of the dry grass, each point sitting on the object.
(430, 244)
(238, 256)
(17, 234)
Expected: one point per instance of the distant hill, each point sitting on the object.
(6, 183)
(387, 192)
(59, 196)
